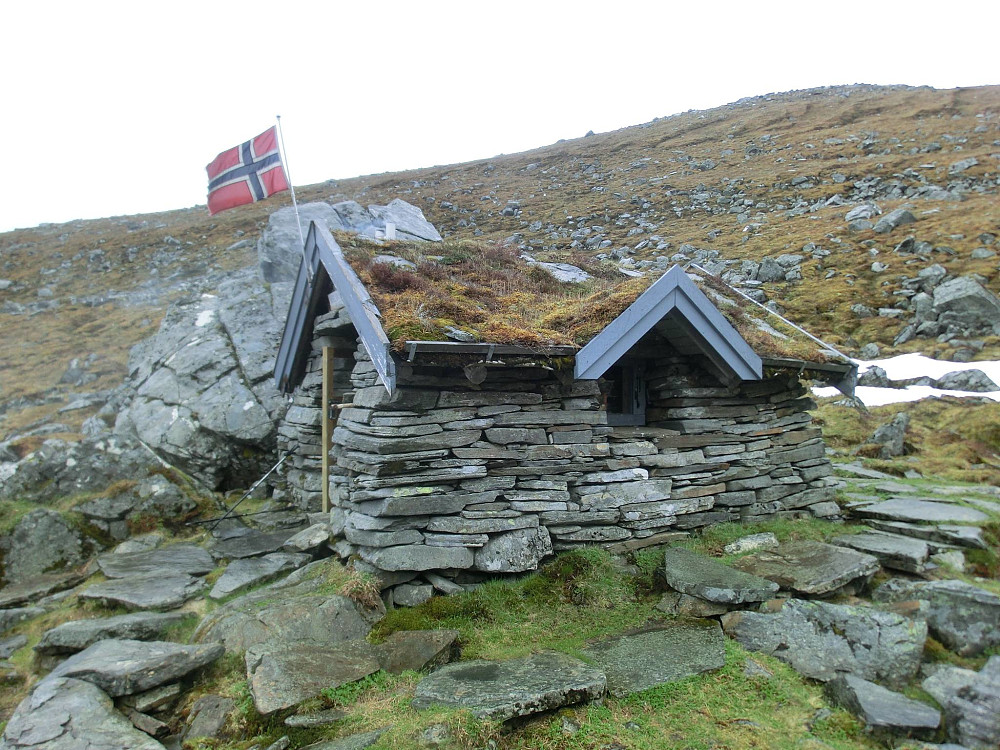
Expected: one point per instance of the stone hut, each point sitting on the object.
(453, 460)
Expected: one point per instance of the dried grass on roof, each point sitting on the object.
(489, 291)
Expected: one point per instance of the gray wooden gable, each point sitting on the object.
(323, 269)
(686, 316)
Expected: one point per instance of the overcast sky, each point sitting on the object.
(116, 108)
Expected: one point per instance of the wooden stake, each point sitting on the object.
(327, 423)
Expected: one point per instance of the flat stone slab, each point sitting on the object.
(502, 690)
(809, 568)
(352, 742)
(962, 616)
(77, 635)
(284, 675)
(67, 714)
(417, 650)
(176, 558)
(244, 573)
(123, 667)
(653, 656)
(253, 544)
(920, 511)
(33, 589)
(295, 609)
(960, 536)
(164, 591)
(701, 576)
(882, 710)
(893, 551)
(821, 640)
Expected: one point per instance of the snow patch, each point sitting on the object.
(204, 318)
(248, 406)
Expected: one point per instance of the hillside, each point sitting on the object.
(758, 178)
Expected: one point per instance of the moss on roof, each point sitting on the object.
(493, 293)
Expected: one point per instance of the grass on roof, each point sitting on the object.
(489, 291)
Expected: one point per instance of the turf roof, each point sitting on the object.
(490, 292)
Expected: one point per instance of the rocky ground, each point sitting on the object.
(256, 636)
(867, 213)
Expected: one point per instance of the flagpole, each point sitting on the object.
(295, 204)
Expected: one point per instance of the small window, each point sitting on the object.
(625, 397)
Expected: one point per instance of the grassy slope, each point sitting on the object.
(598, 178)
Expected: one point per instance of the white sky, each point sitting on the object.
(113, 108)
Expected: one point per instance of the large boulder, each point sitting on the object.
(43, 542)
(891, 436)
(408, 219)
(821, 640)
(968, 303)
(203, 396)
(68, 714)
(971, 703)
(279, 248)
(61, 469)
(962, 616)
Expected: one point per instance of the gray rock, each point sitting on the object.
(61, 469)
(883, 711)
(37, 587)
(352, 742)
(252, 544)
(657, 655)
(11, 617)
(971, 703)
(770, 270)
(976, 381)
(899, 552)
(566, 273)
(705, 578)
(894, 219)
(152, 591)
(309, 539)
(863, 211)
(919, 511)
(869, 351)
(875, 377)
(66, 714)
(821, 640)
(315, 719)
(515, 551)
(506, 689)
(891, 436)
(42, 542)
(409, 220)
(962, 164)
(9, 645)
(962, 616)
(123, 667)
(764, 540)
(279, 248)
(176, 558)
(242, 574)
(77, 635)
(283, 675)
(298, 608)
(417, 650)
(809, 568)
(676, 603)
(414, 557)
(141, 543)
(968, 303)
(412, 594)
(208, 716)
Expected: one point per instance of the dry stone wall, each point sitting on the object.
(447, 477)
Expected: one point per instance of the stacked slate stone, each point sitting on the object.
(461, 479)
(301, 429)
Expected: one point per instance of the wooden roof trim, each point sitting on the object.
(323, 256)
(676, 295)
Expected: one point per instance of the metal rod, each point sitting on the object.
(819, 341)
(295, 204)
(242, 515)
(254, 486)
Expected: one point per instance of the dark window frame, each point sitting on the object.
(631, 384)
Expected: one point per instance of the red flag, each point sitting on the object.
(246, 173)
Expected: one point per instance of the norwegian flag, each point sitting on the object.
(246, 173)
